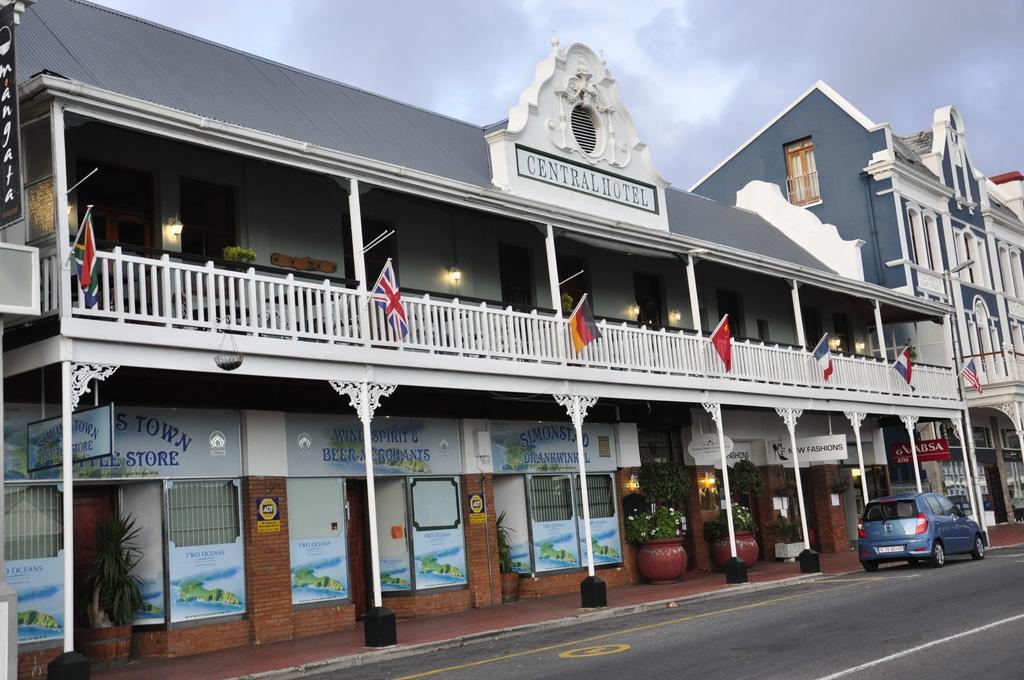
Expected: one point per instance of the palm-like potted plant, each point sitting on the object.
(509, 577)
(788, 530)
(662, 557)
(110, 590)
(716, 532)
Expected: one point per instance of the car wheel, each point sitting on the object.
(938, 556)
(869, 566)
(979, 549)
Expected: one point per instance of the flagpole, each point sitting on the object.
(78, 235)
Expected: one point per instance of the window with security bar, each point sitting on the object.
(600, 496)
(802, 172)
(550, 499)
(203, 513)
(32, 522)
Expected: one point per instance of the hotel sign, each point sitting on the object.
(558, 172)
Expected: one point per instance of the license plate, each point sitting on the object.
(889, 549)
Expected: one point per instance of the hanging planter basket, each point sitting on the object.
(229, 358)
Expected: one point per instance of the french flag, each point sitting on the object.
(903, 366)
(824, 357)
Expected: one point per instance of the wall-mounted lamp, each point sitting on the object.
(175, 226)
(633, 485)
(860, 346)
(634, 311)
(454, 274)
(708, 481)
(835, 343)
(674, 316)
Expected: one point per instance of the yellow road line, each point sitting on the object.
(625, 631)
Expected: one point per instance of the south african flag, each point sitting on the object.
(88, 265)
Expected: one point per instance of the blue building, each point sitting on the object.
(915, 206)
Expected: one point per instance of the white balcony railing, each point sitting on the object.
(803, 189)
(998, 367)
(171, 294)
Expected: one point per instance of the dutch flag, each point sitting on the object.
(824, 357)
(903, 366)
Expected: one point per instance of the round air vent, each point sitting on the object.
(584, 129)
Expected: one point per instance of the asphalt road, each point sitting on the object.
(962, 621)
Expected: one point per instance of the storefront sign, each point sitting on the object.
(147, 443)
(91, 437)
(440, 558)
(558, 172)
(10, 150)
(524, 446)
(830, 447)
(324, 445)
(520, 557)
(704, 449)
(394, 572)
(927, 450)
(268, 515)
(555, 545)
(604, 534)
(319, 569)
(40, 587)
(206, 580)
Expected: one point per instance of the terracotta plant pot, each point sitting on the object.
(104, 644)
(746, 549)
(662, 560)
(509, 587)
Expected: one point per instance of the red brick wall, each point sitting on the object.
(412, 606)
(697, 548)
(482, 544)
(830, 519)
(267, 563)
(32, 664)
(192, 640)
(773, 477)
(318, 620)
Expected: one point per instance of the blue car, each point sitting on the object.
(915, 527)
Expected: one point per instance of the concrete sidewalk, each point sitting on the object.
(346, 648)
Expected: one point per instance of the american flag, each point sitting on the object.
(971, 375)
(387, 297)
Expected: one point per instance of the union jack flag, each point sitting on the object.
(971, 375)
(387, 297)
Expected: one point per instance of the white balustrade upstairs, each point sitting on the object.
(164, 292)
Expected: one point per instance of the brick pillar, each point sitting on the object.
(701, 555)
(628, 551)
(830, 519)
(482, 544)
(267, 564)
(773, 477)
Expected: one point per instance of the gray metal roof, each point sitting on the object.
(919, 142)
(124, 54)
(708, 220)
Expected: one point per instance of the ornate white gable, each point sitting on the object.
(570, 141)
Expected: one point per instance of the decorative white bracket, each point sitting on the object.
(790, 416)
(82, 375)
(714, 410)
(364, 397)
(909, 422)
(958, 425)
(856, 419)
(1012, 411)
(576, 406)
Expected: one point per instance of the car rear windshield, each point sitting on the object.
(879, 512)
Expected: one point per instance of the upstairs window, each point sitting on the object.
(802, 172)
(208, 216)
(647, 289)
(516, 275)
(122, 201)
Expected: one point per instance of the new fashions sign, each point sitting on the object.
(540, 166)
(827, 448)
(332, 446)
(525, 446)
(927, 450)
(147, 443)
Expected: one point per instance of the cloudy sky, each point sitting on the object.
(698, 76)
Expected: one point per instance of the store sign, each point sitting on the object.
(39, 584)
(525, 446)
(705, 449)
(324, 445)
(319, 569)
(206, 580)
(440, 558)
(268, 515)
(822, 449)
(10, 150)
(147, 443)
(927, 450)
(555, 545)
(605, 539)
(587, 180)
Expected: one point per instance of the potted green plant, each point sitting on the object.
(239, 254)
(788, 530)
(509, 577)
(662, 557)
(746, 478)
(111, 591)
(716, 532)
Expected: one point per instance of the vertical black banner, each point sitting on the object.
(10, 149)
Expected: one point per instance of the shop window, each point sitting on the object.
(647, 289)
(550, 499)
(604, 523)
(38, 155)
(516, 275)
(510, 505)
(316, 533)
(1010, 439)
(802, 172)
(600, 493)
(438, 545)
(122, 201)
(32, 522)
(208, 216)
(660, 446)
(203, 513)
(982, 437)
(393, 537)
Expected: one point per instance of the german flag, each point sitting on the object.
(582, 327)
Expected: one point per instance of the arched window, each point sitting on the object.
(969, 251)
(1006, 272)
(931, 229)
(1016, 274)
(918, 239)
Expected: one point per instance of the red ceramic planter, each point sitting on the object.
(662, 560)
(746, 549)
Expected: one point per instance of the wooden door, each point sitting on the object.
(91, 504)
(995, 492)
(358, 549)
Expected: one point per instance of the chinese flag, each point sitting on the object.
(721, 340)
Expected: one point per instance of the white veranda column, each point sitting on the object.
(74, 380)
(973, 493)
(910, 422)
(879, 331)
(553, 288)
(856, 419)
(715, 411)
(577, 407)
(365, 397)
(691, 287)
(790, 416)
(798, 313)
